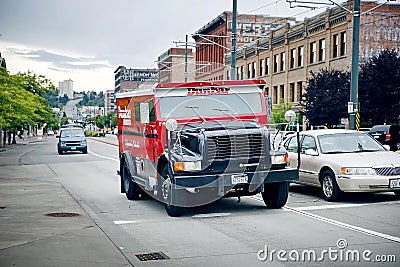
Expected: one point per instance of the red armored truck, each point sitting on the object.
(189, 144)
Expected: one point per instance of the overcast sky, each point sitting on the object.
(86, 40)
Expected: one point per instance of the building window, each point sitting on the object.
(313, 52)
(299, 91)
(292, 92)
(237, 73)
(276, 59)
(335, 46)
(241, 72)
(253, 70)
(281, 93)
(261, 70)
(282, 65)
(248, 71)
(293, 58)
(321, 56)
(267, 66)
(342, 43)
(300, 55)
(275, 100)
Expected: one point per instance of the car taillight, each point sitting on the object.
(387, 137)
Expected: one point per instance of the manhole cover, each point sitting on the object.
(152, 256)
(62, 214)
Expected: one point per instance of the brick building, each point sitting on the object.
(131, 79)
(171, 66)
(214, 40)
(285, 57)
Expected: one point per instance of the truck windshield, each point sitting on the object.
(210, 105)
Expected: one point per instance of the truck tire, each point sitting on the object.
(275, 195)
(330, 188)
(164, 190)
(132, 189)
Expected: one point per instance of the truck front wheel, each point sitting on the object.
(275, 195)
(165, 189)
(132, 189)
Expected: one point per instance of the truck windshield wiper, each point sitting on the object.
(225, 111)
(197, 113)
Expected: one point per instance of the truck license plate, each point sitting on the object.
(239, 179)
(394, 183)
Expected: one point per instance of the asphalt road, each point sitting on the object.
(307, 232)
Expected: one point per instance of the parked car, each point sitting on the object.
(344, 161)
(387, 135)
(72, 138)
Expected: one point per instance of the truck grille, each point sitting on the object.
(388, 171)
(249, 146)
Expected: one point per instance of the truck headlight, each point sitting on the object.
(280, 159)
(83, 143)
(63, 143)
(187, 166)
(358, 171)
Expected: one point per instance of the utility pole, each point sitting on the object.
(233, 49)
(354, 66)
(186, 58)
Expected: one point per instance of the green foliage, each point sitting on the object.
(92, 98)
(326, 97)
(278, 114)
(379, 88)
(106, 121)
(22, 101)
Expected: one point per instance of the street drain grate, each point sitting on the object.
(154, 256)
(62, 214)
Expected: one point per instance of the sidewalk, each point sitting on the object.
(111, 139)
(21, 142)
(41, 224)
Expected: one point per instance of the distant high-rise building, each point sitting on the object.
(66, 88)
(109, 101)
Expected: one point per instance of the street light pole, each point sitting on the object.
(233, 50)
(354, 65)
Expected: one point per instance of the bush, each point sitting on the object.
(94, 133)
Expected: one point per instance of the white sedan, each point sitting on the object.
(344, 161)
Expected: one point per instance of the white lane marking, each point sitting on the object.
(340, 224)
(345, 225)
(100, 156)
(336, 206)
(210, 215)
(123, 222)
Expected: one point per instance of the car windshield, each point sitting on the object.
(348, 143)
(72, 132)
(210, 105)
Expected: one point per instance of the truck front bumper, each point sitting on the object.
(254, 179)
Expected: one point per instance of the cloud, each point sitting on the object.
(60, 62)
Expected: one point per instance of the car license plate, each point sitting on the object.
(376, 136)
(73, 148)
(394, 183)
(239, 179)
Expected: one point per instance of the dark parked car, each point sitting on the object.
(387, 135)
(71, 138)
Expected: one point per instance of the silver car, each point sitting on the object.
(344, 161)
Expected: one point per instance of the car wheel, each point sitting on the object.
(165, 188)
(132, 190)
(330, 188)
(397, 193)
(60, 152)
(275, 195)
(84, 151)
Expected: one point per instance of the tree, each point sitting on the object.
(379, 88)
(22, 101)
(326, 97)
